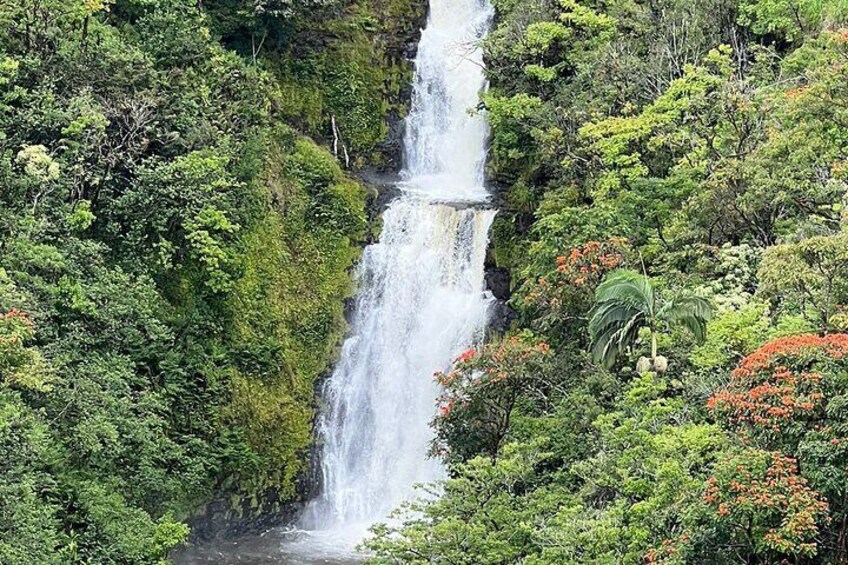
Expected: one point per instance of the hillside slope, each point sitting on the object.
(175, 254)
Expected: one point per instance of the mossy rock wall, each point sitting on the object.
(288, 319)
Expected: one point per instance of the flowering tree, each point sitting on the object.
(562, 296)
(482, 390)
(761, 503)
(779, 394)
(790, 399)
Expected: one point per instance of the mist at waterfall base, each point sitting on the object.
(421, 303)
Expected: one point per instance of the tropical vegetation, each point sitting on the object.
(180, 209)
(175, 245)
(626, 302)
(673, 389)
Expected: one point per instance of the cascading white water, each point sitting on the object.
(422, 299)
(445, 149)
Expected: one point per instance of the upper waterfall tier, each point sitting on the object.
(445, 147)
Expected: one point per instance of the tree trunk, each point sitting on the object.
(653, 346)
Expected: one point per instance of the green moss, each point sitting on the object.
(288, 305)
(507, 244)
(359, 77)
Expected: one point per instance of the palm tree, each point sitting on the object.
(626, 302)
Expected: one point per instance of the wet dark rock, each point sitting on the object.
(501, 318)
(403, 48)
(499, 282)
(501, 315)
(498, 279)
(383, 189)
(384, 186)
(391, 148)
(219, 520)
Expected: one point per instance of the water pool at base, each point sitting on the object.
(277, 547)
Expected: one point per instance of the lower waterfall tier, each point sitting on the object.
(421, 303)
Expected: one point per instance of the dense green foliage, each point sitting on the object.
(174, 255)
(177, 225)
(674, 178)
(625, 302)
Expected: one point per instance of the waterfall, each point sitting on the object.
(445, 146)
(422, 298)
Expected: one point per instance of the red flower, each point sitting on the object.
(467, 356)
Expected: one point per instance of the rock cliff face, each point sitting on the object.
(404, 23)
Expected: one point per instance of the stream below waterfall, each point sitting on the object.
(421, 302)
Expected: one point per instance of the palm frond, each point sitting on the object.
(624, 301)
(604, 348)
(626, 287)
(610, 314)
(612, 328)
(693, 312)
(609, 345)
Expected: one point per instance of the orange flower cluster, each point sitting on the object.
(446, 408)
(15, 327)
(770, 404)
(767, 394)
(19, 316)
(586, 264)
(778, 498)
(467, 356)
(579, 270)
(835, 346)
(667, 553)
